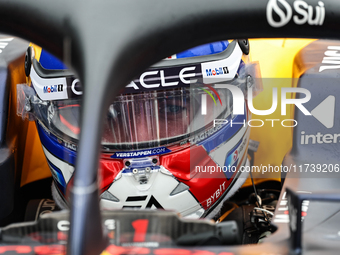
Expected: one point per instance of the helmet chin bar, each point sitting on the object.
(141, 168)
(140, 185)
(142, 175)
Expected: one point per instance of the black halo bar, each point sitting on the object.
(108, 42)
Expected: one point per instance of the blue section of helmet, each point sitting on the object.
(242, 66)
(50, 62)
(224, 134)
(228, 170)
(58, 177)
(50, 142)
(241, 69)
(206, 49)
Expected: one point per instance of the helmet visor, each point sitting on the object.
(145, 120)
(140, 121)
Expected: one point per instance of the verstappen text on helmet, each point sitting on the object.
(141, 153)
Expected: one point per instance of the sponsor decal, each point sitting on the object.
(331, 58)
(232, 158)
(224, 69)
(206, 134)
(141, 153)
(235, 155)
(142, 202)
(156, 79)
(71, 146)
(181, 76)
(217, 71)
(164, 78)
(46, 91)
(280, 13)
(53, 88)
(213, 198)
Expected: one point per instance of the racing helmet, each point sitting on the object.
(170, 139)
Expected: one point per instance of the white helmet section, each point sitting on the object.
(211, 72)
(151, 193)
(49, 88)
